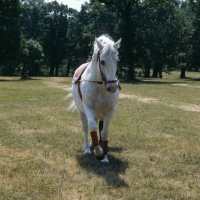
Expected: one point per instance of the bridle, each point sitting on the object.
(103, 77)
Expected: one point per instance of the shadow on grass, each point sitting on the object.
(18, 80)
(110, 172)
(192, 79)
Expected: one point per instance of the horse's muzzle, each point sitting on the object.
(111, 88)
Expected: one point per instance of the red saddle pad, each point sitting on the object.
(78, 72)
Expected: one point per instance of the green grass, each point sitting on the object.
(154, 142)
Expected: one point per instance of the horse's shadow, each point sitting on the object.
(110, 172)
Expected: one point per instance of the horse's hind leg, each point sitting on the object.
(85, 131)
(100, 129)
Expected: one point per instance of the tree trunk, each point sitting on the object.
(155, 71)
(57, 67)
(68, 67)
(10, 69)
(131, 74)
(182, 75)
(160, 72)
(128, 41)
(147, 70)
(24, 69)
(35, 69)
(51, 72)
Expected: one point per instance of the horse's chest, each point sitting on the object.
(100, 100)
(103, 103)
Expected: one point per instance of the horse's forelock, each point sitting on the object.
(108, 49)
(108, 43)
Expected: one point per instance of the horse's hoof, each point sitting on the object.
(105, 160)
(87, 153)
(101, 157)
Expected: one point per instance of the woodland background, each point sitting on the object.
(50, 39)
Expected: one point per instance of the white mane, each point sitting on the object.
(108, 43)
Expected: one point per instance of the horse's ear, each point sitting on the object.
(117, 44)
(99, 44)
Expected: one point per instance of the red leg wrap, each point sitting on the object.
(105, 147)
(94, 137)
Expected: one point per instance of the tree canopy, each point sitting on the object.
(44, 38)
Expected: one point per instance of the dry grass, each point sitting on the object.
(154, 142)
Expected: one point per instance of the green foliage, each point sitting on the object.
(54, 34)
(31, 54)
(154, 34)
(195, 8)
(31, 51)
(9, 33)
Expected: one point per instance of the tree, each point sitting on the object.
(31, 18)
(129, 21)
(185, 32)
(54, 38)
(160, 35)
(195, 8)
(10, 34)
(31, 54)
(93, 20)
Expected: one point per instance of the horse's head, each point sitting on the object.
(107, 60)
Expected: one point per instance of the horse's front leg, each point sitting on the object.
(92, 125)
(104, 134)
(85, 131)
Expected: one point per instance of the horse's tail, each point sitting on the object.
(72, 106)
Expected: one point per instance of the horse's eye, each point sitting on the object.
(102, 62)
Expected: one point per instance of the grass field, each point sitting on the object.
(154, 142)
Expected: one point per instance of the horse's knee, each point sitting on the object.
(84, 127)
(92, 125)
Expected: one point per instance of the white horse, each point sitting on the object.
(95, 90)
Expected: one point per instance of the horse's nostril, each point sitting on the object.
(111, 89)
(108, 89)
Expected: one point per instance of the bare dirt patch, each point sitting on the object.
(186, 107)
(185, 85)
(142, 99)
(56, 85)
(180, 84)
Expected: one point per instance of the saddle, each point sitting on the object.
(79, 71)
(77, 76)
